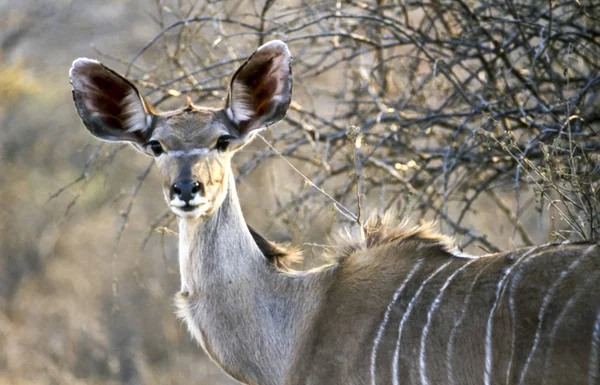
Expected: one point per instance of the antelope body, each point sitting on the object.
(396, 306)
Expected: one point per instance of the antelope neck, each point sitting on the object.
(219, 245)
(245, 313)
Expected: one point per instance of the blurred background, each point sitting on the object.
(480, 115)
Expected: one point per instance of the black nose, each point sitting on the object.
(186, 190)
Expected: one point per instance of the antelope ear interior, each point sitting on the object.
(261, 89)
(109, 105)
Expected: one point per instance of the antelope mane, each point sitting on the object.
(378, 231)
(387, 229)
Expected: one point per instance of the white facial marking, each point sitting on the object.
(176, 202)
(409, 309)
(195, 151)
(545, 304)
(386, 318)
(190, 214)
(436, 302)
(198, 200)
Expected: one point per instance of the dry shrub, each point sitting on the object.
(434, 108)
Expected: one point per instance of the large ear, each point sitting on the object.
(261, 89)
(109, 105)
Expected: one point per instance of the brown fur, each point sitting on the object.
(377, 231)
(280, 256)
(383, 230)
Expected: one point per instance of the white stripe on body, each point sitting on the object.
(409, 309)
(487, 373)
(436, 302)
(542, 311)
(512, 307)
(457, 323)
(513, 321)
(593, 368)
(459, 254)
(562, 315)
(386, 318)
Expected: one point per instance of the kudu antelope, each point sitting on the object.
(397, 305)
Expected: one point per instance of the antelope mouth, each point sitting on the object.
(194, 207)
(187, 208)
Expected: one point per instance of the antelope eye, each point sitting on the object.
(223, 142)
(156, 147)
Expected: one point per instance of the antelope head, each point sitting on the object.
(192, 146)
